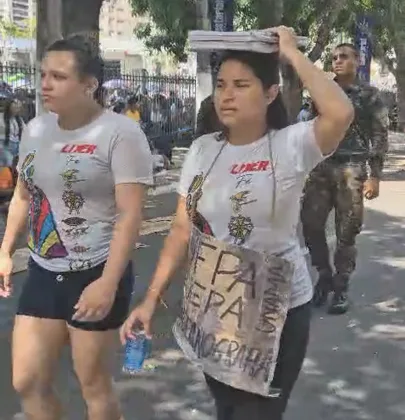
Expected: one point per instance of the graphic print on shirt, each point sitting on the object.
(70, 177)
(193, 196)
(73, 201)
(43, 237)
(76, 227)
(243, 180)
(240, 199)
(240, 225)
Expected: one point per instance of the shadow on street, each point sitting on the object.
(355, 369)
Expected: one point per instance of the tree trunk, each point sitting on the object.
(327, 19)
(48, 31)
(61, 18)
(269, 12)
(292, 91)
(81, 17)
(292, 88)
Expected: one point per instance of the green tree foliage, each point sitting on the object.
(171, 20)
(9, 29)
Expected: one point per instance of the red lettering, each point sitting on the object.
(235, 169)
(248, 167)
(258, 166)
(251, 167)
(66, 148)
(263, 165)
(91, 148)
(79, 148)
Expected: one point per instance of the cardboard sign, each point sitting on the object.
(234, 309)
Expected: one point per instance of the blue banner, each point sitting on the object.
(222, 15)
(363, 43)
(222, 12)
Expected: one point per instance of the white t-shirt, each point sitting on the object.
(71, 178)
(237, 199)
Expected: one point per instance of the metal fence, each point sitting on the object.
(167, 103)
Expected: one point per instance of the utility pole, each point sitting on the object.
(49, 29)
(222, 12)
(204, 79)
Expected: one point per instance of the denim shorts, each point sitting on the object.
(51, 295)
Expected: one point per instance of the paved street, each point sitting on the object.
(355, 369)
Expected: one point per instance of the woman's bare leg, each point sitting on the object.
(37, 344)
(92, 353)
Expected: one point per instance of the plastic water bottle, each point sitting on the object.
(137, 349)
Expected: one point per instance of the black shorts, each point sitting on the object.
(236, 404)
(52, 295)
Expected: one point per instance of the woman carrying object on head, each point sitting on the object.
(82, 175)
(246, 309)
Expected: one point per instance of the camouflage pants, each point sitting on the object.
(340, 187)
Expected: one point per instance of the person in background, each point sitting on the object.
(31, 107)
(240, 190)
(341, 182)
(119, 107)
(13, 127)
(82, 176)
(207, 118)
(133, 110)
(305, 113)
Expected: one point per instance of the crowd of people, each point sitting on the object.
(163, 119)
(246, 181)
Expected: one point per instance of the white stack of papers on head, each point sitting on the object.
(261, 41)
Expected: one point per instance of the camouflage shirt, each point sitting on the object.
(368, 135)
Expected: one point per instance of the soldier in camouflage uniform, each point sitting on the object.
(340, 182)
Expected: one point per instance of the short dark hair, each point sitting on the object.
(350, 46)
(88, 61)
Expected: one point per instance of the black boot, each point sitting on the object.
(340, 300)
(322, 288)
(339, 304)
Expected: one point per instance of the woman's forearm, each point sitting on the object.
(329, 98)
(125, 235)
(171, 257)
(16, 222)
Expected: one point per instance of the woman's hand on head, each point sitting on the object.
(287, 39)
